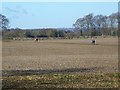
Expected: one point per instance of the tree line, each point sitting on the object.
(99, 25)
(37, 33)
(87, 26)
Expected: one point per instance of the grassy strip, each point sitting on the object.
(63, 81)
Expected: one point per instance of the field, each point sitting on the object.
(66, 63)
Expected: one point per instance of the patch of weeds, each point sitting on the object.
(62, 81)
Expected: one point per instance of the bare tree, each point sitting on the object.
(4, 22)
(79, 26)
(113, 19)
(89, 21)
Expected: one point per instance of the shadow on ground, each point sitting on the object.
(55, 71)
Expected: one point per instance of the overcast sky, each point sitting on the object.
(50, 14)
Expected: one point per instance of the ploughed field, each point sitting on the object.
(56, 59)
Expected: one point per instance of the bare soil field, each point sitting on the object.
(61, 55)
(75, 56)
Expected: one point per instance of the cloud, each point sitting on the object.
(19, 10)
(12, 10)
(16, 12)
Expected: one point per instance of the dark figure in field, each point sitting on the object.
(93, 42)
(36, 39)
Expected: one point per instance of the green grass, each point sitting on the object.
(96, 80)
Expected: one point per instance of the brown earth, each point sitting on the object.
(60, 56)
